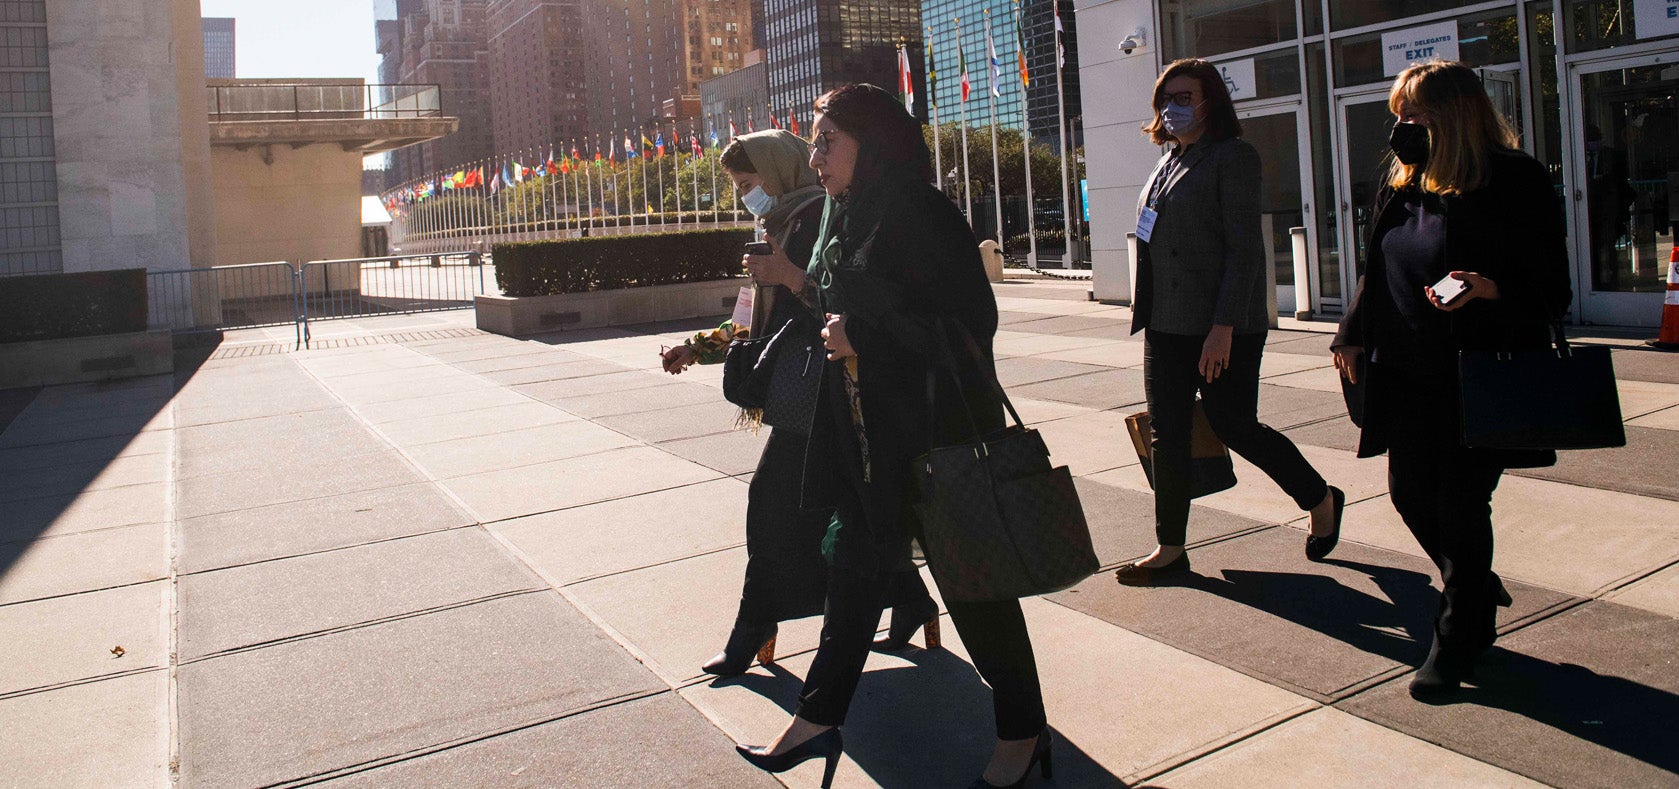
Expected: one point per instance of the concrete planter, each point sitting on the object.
(521, 316)
(79, 359)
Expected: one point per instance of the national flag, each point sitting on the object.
(474, 178)
(600, 161)
(552, 166)
(576, 157)
(932, 73)
(775, 123)
(749, 128)
(612, 151)
(659, 145)
(694, 143)
(565, 166)
(962, 65)
(459, 179)
(646, 144)
(629, 149)
(792, 121)
(518, 173)
(1060, 48)
(906, 83)
(714, 136)
(1020, 47)
(996, 65)
(733, 132)
(495, 182)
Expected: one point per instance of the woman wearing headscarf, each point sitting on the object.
(899, 279)
(1464, 209)
(786, 574)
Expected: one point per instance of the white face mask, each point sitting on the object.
(758, 201)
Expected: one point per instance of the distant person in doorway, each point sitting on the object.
(786, 574)
(1202, 309)
(1460, 200)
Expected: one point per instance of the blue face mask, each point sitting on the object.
(1178, 119)
(758, 201)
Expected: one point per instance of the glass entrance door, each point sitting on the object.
(1365, 123)
(1626, 187)
(1277, 135)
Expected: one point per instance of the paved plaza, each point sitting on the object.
(422, 555)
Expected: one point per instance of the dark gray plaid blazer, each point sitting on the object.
(1204, 262)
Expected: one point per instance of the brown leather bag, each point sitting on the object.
(1210, 469)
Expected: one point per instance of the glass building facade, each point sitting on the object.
(29, 229)
(1591, 86)
(816, 45)
(219, 60)
(958, 29)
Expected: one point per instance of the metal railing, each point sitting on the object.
(322, 101)
(225, 298)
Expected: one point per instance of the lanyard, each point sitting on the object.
(1166, 172)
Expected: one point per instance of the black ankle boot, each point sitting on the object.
(745, 642)
(906, 619)
(1439, 678)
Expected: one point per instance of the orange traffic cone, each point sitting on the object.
(1668, 339)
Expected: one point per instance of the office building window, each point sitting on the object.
(29, 229)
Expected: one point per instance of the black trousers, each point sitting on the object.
(1170, 379)
(994, 634)
(1443, 492)
(786, 574)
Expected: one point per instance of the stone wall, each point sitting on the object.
(276, 202)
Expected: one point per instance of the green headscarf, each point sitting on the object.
(782, 160)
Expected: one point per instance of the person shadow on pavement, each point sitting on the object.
(922, 720)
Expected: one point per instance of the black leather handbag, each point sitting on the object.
(794, 365)
(1558, 398)
(998, 522)
(739, 385)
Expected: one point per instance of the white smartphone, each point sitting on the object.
(1449, 289)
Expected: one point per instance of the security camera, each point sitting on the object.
(1132, 42)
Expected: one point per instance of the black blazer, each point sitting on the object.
(1510, 231)
(1206, 256)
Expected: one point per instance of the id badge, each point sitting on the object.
(1145, 224)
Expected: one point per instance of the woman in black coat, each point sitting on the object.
(1461, 202)
(899, 278)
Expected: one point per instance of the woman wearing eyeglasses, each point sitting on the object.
(899, 279)
(1200, 301)
(1467, 252)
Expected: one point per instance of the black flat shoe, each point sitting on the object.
(1500, 595)
(1133, 574)
(1318, 548)
(745, 643)
(1040, 759)
(905, 621)
(827, 745)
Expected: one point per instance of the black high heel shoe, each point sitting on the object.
(905, 621)
(827, 745)
(1439, 678)
(745, 643)
(1040, 759)
(1318, 548)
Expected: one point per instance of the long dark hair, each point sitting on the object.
(1221, 111)
(889, 141)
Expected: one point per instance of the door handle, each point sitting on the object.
(1578, 195)
(1344, 205)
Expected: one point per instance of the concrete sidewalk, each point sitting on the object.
(420, 555)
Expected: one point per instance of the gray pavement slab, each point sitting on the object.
(1008, 317)
(527, 490)
(83, 562)
(1643, 467)
(305, 707)
(552, 371)
(498, 348)
(519, 447)
(632, 532)
(1117, 330)
(618, 380)
(734, 452)
(547, 356)
(713, 416)
(70, 453)
(1646, 364)
(92, 475)
(657, 397)
(1254, 603)
(1022, 370)
(86, 511)
(1657, 592)
(1283, 407)
(257, 534)
(437, 405)
(257, 487)
(113, 732)
(12, 403)
(1122, 522)
(69, 639)
(237, 607)
(477, 422)
(1068, 324)
(1336, 433)
(375, 392)
(1106, 389)
(655, 741)
(26, 431)
(1299, 342)
(311, 438)
(200, 409)
(1586, 698)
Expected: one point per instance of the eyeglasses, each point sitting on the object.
(822, 142)
(1182, 99)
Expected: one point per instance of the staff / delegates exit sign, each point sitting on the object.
(1653, 18)
(1401, 48)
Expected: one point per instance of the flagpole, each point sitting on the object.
(658, 165)
(676, 172)
(1026, 140)
(694, 162)
(716, 160)
(967, 179)
(996, 93)
(933, 109)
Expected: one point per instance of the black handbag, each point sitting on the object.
(739, 361)
(997, 521)
(794, 364)
(1557, 398)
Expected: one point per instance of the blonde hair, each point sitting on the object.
(1463, 127)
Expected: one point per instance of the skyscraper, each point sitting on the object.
(218, 48)
(815, 45)
(644, 57)
(964, 23)
(441, 42)
(538, 87)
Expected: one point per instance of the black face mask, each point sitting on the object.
(1409, 142)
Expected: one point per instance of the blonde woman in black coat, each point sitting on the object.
(1461, 202)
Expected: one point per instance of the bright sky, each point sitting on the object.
(300, 38)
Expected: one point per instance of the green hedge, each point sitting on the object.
(55, 306)
(577, 265)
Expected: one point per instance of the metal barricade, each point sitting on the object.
(200, 300)
(364, 287)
